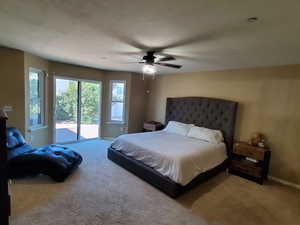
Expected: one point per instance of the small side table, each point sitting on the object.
(250, 162)
(152, 126)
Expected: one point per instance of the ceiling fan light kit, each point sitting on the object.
(150, 60)
(149, 69)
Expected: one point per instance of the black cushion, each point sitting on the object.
(14, 138)
(18, 151)
(56, 161)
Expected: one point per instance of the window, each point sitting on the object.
(36, 98)
(117, 101)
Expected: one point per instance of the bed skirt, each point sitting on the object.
(156, 179)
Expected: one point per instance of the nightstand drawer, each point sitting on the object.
(246, 167)
(249, 151)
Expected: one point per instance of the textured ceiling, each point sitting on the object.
(109, 34)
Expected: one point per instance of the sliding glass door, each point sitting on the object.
(77, 110)
(66, 111)
(90, 110)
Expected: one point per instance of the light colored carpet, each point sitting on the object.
(100, 192)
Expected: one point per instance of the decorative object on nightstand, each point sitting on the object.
(152, 126)
(250, 162)
(257, 139)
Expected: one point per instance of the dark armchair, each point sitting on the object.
(16, 143)
(56, 161)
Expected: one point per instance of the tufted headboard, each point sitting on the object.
(211, 113)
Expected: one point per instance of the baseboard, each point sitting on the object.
(284, 182)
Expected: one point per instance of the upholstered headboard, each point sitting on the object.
(211, 113)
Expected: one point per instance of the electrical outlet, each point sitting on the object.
(7, 108)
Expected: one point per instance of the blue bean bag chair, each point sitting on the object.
(56, 161)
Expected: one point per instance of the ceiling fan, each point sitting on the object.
(150, 60)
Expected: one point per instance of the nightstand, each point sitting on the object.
(250, 162)
(152, 126)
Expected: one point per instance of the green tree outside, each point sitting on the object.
(66, 103)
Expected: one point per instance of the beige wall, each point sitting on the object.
(136, 101)
(12, 86)
(69, 71)
(39, 136)
(14, 71)
(139, 100)
(268, 102)
(115, 129)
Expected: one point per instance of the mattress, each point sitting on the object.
(178, 157)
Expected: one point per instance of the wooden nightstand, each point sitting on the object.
(152, 126)
(256, 169)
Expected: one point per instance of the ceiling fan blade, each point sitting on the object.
(167, 58)
(127, 62)
(129, 40)
(169, 65)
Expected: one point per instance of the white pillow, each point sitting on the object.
(178, 128)
(205, 134)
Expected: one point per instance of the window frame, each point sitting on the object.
(42, 94)
(111, 82)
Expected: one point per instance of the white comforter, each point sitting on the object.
(178, 157)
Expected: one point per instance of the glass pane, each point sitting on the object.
(90, 110)
(117, 111)
(35, 116)
(66, 110)
(35, 113)
(118, 91)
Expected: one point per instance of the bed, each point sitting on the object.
(154, 156)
